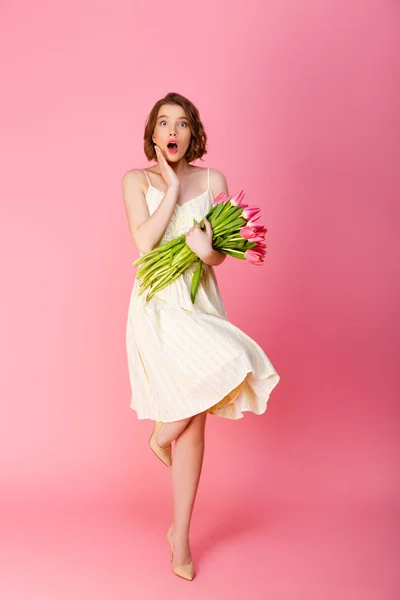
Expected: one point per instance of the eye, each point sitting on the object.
(183, 123)
(161, 122)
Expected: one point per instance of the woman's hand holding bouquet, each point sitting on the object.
(231, 226)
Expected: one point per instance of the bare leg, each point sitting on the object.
(186, 469)
(170, 431)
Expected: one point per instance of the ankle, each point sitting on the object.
(180, 531)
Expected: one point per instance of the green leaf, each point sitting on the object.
(217, 210)
(196, 281)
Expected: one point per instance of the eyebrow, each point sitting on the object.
(167, 117)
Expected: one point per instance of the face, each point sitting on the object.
(172, 126)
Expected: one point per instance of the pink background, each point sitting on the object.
(299, 100)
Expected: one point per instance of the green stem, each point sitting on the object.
(234, 253)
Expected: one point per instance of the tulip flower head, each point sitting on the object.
(222, 197)
(237, 199)
(253, 257)
(251, 213)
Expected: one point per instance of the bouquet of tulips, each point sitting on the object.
(236, 232)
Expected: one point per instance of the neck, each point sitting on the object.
(181, 167)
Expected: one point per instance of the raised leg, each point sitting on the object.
(170, 431)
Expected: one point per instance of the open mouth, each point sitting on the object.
(172, 147)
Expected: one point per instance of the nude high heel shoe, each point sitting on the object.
(185, 571)
(163, 453)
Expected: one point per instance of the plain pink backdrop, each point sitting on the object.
(300, 103)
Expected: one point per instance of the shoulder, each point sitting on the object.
(217, 176)
(134, 179)
(218, 182)
(133, 175)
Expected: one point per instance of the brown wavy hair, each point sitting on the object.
(198, 141)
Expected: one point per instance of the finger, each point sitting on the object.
(159, 152)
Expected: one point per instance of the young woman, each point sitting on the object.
(185, 360)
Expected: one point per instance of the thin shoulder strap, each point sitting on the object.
(208, 178)
(147, 177)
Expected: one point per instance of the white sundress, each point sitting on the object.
(186, 358)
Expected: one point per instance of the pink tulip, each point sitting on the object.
(260, 249)
(237, 199)
(252, 221)
(252, 234)
(260, 228)
(222, 197)
(251, 212)
(254, 258)
(247, 232)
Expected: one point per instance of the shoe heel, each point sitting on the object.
(164, 454)
(170, 542)
(184, 571)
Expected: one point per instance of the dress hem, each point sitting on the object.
(273, 380)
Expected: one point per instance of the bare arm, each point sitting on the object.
(214, 257)
(218, 184)
(146, 230)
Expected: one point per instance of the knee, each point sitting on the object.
(197, 428)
